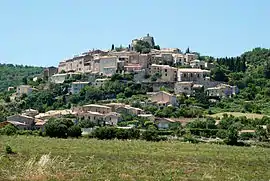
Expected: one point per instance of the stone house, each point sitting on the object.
(163, 123)
(24, 89)
(189, 57)
(163, 98)
(99, 82)
(128, 110)
(22, 121)
(197, 64)
(167, 73)
(111, 118)
(178, 59)
(190, 74)
(30, 112)
(49, 71)
(93, 108)
(163, 59)
(222, 90)
(76, 87)
(107, 65)
(187, 88)
(183, 87)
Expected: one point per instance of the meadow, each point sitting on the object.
(42, 158)
(239, 114)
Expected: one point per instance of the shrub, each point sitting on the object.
(9, 130)
(204, 132)
(122, 134)
(150, 135)
(191, 139)
(222, 134)
(247, 136)
(134, 133)
(58, 127)
(105, 133)
(111, 133)
(86, 124)
(162, 133)
(74, 131)
(9, 150)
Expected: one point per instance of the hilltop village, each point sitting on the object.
(166, 72)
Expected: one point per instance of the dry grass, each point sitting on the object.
(41, 158)
(238, 114)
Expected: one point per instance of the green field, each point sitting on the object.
(39, 158)
(238, 114)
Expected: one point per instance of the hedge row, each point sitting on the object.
(204, 132)
(123, 134)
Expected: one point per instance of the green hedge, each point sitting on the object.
(204, 132)
(112, 133)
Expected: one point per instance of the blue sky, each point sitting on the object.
(44, 32)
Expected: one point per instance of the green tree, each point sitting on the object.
(74, 131)
(187, 51)
(142, 47)
(24, 80)
(58, 127)
(9, 130)
(232, 135)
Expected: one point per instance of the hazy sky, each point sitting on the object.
(44, 32)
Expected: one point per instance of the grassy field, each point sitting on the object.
(39, 158)
(238, 114)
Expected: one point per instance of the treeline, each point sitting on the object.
(233, 64)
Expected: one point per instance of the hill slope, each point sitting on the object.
(12, 75)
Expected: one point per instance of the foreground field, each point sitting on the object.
(39, 158)
(238, 114)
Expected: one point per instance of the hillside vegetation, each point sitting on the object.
(39, 158)
(12, 75)
(251, 77)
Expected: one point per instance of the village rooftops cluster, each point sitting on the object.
(161, 65)
(106, 114)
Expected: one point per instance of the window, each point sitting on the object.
(94, 118)
(165, 70)
(165, 74)
(198, 75)
(185, 75)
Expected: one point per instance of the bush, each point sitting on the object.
(86, 124)
(58, 127)
(150, 135)
(74, 131)
(9, 130)
(247, 136)
(122, 134)
(9, 150)
(222, 134)
(191, 139)
(204, 132)
(162, 133)
(105, 133)
(111, 133)
(134, 133)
